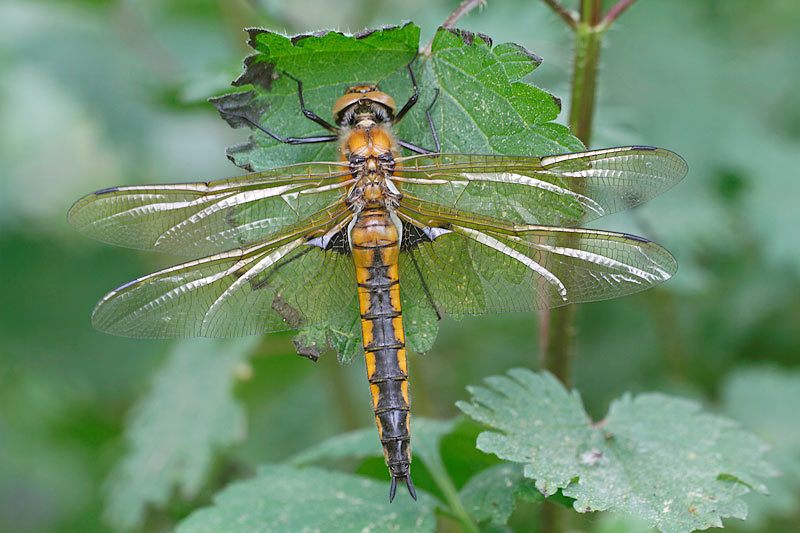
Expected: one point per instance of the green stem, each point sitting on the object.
(552, 518)
(445, 483)
(588, 42)
(558, 325)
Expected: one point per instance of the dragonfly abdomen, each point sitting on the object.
(375, 244)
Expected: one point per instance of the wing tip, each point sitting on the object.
(107, 190)
(676, 155)
(637, 238)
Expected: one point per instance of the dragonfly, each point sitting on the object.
(452, 233)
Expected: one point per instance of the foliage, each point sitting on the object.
(654, 457)
(492, 493)
(100, 93)
(763, 399)
(175, 430)
(281, 498)
(482, 107)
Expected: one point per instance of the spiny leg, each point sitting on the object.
(430, 122)
(413, 99)
(308, 113)
(286, 140)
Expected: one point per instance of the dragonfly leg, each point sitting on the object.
(287, 140)
(409, 105)
(307, 112)
(425, 286)
(414, 147)
(430, 122)
(412, 99)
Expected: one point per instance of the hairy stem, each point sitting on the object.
(558, 324)
(588, 42)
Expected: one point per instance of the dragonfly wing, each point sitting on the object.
(197, 219)
(556, 190)
(481, 270)
(280, 286)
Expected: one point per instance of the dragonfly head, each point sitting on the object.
(362, 101)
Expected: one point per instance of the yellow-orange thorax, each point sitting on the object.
(365, 116)
(370, 148)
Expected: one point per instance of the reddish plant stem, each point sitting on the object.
(465, 7)
(615, 11)
(567, 15)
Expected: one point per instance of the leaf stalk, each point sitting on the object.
(445, 483)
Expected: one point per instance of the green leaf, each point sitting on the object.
(491, 494)
(282, 498)
(423, 322)
(311, 342)
(481, 107)
(765, 401)
(517, 61)
(188, 414)
(427, 435)
(327, 64)
(343, 333)
(654, 457)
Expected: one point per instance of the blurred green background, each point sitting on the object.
(95, 93)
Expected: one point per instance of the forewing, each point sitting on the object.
(557, 190)
(474, 271)
(285, 285)
(203, 218)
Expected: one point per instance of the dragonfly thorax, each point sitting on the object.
(370, 149)
(373, 191)
(368, 140)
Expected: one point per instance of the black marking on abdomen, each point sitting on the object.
(385, 346)
(386, 365)
(380, 301)
(383, 333)
(391, 399)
